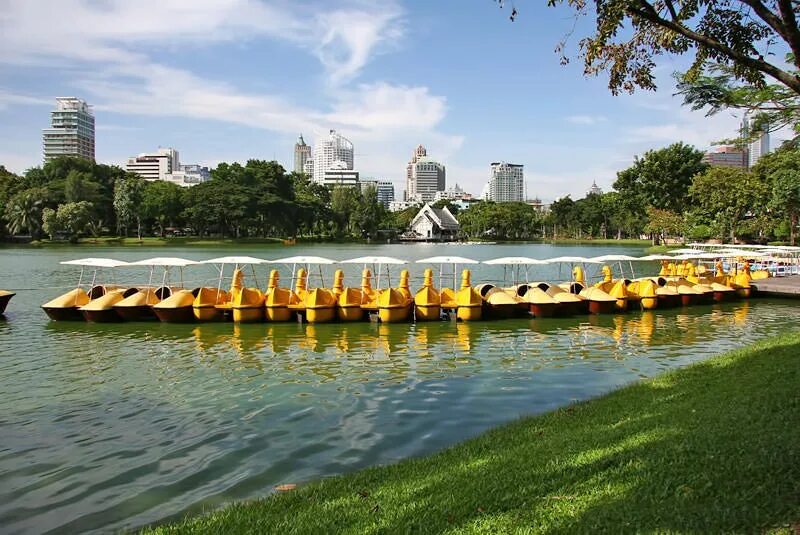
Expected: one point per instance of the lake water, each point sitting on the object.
(105, 427)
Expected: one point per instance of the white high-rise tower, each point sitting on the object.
(334, 148)
(71, 132)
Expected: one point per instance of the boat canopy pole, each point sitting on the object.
(94, 278)
(219, 282)
(80, 280)
(150, 279)
(181, 271)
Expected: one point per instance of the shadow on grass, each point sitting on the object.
(710, 448)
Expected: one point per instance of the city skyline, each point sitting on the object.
(354, 68)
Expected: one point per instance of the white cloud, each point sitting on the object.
(343, 38)
(586, 119)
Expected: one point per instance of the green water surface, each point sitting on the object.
(104, 427)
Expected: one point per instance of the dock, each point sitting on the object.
(778, 286)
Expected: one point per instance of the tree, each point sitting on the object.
(24, 211)
(741, 34)
(71, 218)
(664, 223)
(661, 178)
(727, 194)
(128, 194)
(781, 172)
(162, 202)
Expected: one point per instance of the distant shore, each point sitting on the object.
(191, 241)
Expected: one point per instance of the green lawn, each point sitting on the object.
(711, 448)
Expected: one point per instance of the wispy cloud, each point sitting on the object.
(587, 120)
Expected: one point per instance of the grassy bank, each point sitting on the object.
(714, 447)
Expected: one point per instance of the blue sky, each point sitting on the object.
(228, 80)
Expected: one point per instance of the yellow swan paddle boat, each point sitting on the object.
(101, 310)
(349, 300)
(277, 299)
(139, 306)
(395, 304)
(5, 297)
(571, 304)
(447, 296)
(66, 306)
(540, 303)
(209, 304)
(177, 308)
(616, 289)
(247, 304)
(427, 301)
(599, 302)
(297, 303)
(469, 302)
(643, 292)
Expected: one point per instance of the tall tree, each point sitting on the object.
(661, 178)
(728, 194)
(781, 172)
(24, 211)
(630, 35)
(128, 204)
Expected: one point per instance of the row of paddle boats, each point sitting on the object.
(679, 282)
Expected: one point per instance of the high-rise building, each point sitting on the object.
(760, 146)
(71, 131)
(327, 151)
(383, 188)
(339, 175)
(506, 183)
(302, 153)
(726, 156)
(156, 165)
(424, 177)
(418, 153)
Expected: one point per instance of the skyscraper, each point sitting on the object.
(424, 176)
(506, 183)
(302, 152)
(334, 148)
(71, 131)
(758, 147)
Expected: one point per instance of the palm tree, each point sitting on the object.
(24, 212)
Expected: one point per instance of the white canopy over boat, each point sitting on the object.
(570, 260)
(447, 260)
(304, 260)
(165, 261)
(515, 261)
(614, 258)
(741, 252)
(686, 251)
(656, 257)
(95, 262)
(235, 260)
(374, 260)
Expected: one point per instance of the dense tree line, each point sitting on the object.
(71, 197)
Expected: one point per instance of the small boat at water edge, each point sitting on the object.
(66, 307)
(5, 297)
(427, 301)
(139, 306)
(177, 308)
(101, 310)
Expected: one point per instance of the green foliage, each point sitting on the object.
(664, 222)
(742, 35)
(780, 171)
(661, 178)
(162, 203)
(727, 194)
(511, 220)
(23, 211)
(71, 219)
(710, 448)
(128, 193)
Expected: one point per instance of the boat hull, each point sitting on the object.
(63, 313)
(469, 313)
(106, 315)
(500, 312)
(350, 313)
(320, 314)
(427, 312)
(135, 313)
(5, 297)
(602, 307)
(394, 314)
(207, 313)
(649, 303)
(278, 313)
(179, 314)
(544, 310)
(252, 314)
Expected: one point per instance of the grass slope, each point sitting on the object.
(711, 448)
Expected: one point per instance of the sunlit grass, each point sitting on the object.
(711, 448)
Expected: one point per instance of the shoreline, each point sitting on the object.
(711, 447)
(224, 242)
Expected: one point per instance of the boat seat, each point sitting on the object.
(97, 291)
(129, 292)
(164, 292)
